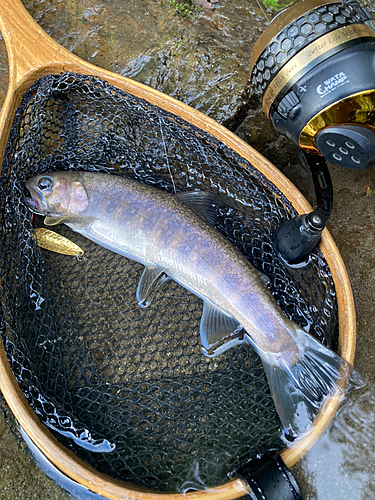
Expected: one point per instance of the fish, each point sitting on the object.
(174, 237)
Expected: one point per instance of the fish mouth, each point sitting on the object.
(36, 202)
(33, 207)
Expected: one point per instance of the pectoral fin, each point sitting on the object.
(53, 221)
(76, 222)
(216, 326)
(152, 278)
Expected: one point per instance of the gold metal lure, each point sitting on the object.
(56, 243)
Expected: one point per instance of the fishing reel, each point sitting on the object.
(314, 69)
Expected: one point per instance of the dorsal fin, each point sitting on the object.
(203, 203)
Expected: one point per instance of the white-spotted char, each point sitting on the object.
(172, 235)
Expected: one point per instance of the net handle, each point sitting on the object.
(29, 47)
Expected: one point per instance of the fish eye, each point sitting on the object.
(45, 183)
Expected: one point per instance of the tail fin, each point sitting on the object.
(299, 389)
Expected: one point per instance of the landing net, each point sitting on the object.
(95, 367)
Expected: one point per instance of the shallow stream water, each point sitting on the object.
(342, 463)
(204, 62)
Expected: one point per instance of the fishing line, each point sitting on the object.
(166, 156)
(261, 6)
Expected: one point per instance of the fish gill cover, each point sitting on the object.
(128, 389)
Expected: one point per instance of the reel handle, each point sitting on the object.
(295, 238)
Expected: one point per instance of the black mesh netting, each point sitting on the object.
(95, 367)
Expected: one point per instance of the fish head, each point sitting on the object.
(57, 194)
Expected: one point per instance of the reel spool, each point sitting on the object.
(313, 68)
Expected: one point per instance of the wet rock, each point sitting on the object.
(20, 476)
(352, 225)
(201, 59)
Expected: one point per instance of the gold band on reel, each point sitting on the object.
(289, 66)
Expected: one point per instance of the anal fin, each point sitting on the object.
(152, 278)
(218, 329)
